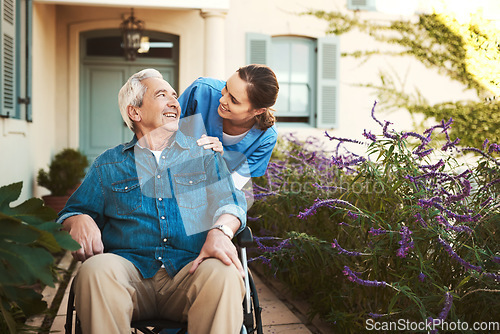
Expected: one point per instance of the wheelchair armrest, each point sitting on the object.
(245, 238)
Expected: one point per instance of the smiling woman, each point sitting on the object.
(237, 113)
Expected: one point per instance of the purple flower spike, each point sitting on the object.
(496, 259)
(454, 255)
(319, 203)
(405, 242)
(341, 250)
(373, 114)
(377, 231)
(421, 277)
(448, 301)
(351, 276)
(369, 135)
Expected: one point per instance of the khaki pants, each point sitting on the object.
(110, 293)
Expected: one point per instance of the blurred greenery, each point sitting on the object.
(466, 52)
(29, 238)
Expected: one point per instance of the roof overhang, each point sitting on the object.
(171, 4)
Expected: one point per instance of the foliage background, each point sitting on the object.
(408, 231)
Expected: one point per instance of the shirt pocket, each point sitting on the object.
(127, 196)
(191, 190)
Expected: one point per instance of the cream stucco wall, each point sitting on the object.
(25, 147)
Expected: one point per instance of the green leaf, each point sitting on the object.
(25, 264)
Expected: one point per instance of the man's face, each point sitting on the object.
(160, 108)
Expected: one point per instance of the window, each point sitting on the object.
(307, 71)
(361, 5)
(15, 61)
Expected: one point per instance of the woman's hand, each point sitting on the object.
(211, 143)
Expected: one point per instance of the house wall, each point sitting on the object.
(26, 147)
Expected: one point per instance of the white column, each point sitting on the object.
(215, 50)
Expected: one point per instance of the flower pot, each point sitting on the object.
(57, 203)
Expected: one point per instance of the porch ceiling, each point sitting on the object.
(173, 4)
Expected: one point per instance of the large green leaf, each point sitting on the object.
(27, 299)
(16, 231)
(26, 264)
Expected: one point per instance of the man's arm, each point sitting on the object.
(218, 245)
(84, 230)
(80, 214)
(228, 206)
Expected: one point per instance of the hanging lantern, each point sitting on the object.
(131, 35)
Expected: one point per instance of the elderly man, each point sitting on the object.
(154, 218)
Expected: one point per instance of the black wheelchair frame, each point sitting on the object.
(252, 320)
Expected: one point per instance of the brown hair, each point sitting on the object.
(262, 90)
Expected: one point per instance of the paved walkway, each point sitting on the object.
(276, 316)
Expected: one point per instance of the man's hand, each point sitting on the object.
(211, 143)
(83, 229)
(218, 246)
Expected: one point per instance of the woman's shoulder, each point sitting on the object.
(209, 83)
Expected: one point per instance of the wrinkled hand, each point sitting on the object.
(218, 246)
(210, 143)
(83, 229)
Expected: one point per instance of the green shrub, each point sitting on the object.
(407, 233)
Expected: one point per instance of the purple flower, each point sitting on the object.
(387, 134)
(369, 135)
(434, 167)
(459, 228)
(448, 302)
(454, 255)
(341, 250)
(351, 276)
(486, 155)
(319, 203)
(421, 220)
(496, 259)
(373, 114)
(271, 249)
(375, 315)
(352, 215)
(421, 277)
(343, 139)
(405, 242)
(377, 231)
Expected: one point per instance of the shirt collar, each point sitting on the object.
(180, 139)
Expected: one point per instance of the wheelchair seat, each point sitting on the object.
(252, 321)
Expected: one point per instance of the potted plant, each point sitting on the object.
(64, 175)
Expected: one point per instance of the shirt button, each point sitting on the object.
(126, 188)
(162, 217)
(164, 239)
(160, 199)
(190, 182)
(159, 257)
(163, 157)
(158, 176)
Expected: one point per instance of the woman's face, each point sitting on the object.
(234, 103)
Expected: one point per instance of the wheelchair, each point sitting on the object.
(252, 321)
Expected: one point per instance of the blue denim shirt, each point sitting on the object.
(157, 214)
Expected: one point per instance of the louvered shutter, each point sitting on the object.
(361, 5)
(258, 48)
(327, 104)
(7, 60)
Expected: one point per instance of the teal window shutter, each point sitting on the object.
(29, 57)
(258, 48)
(368, 5)
(8, 59)
(327, 104)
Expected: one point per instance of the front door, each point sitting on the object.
(103, 72)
